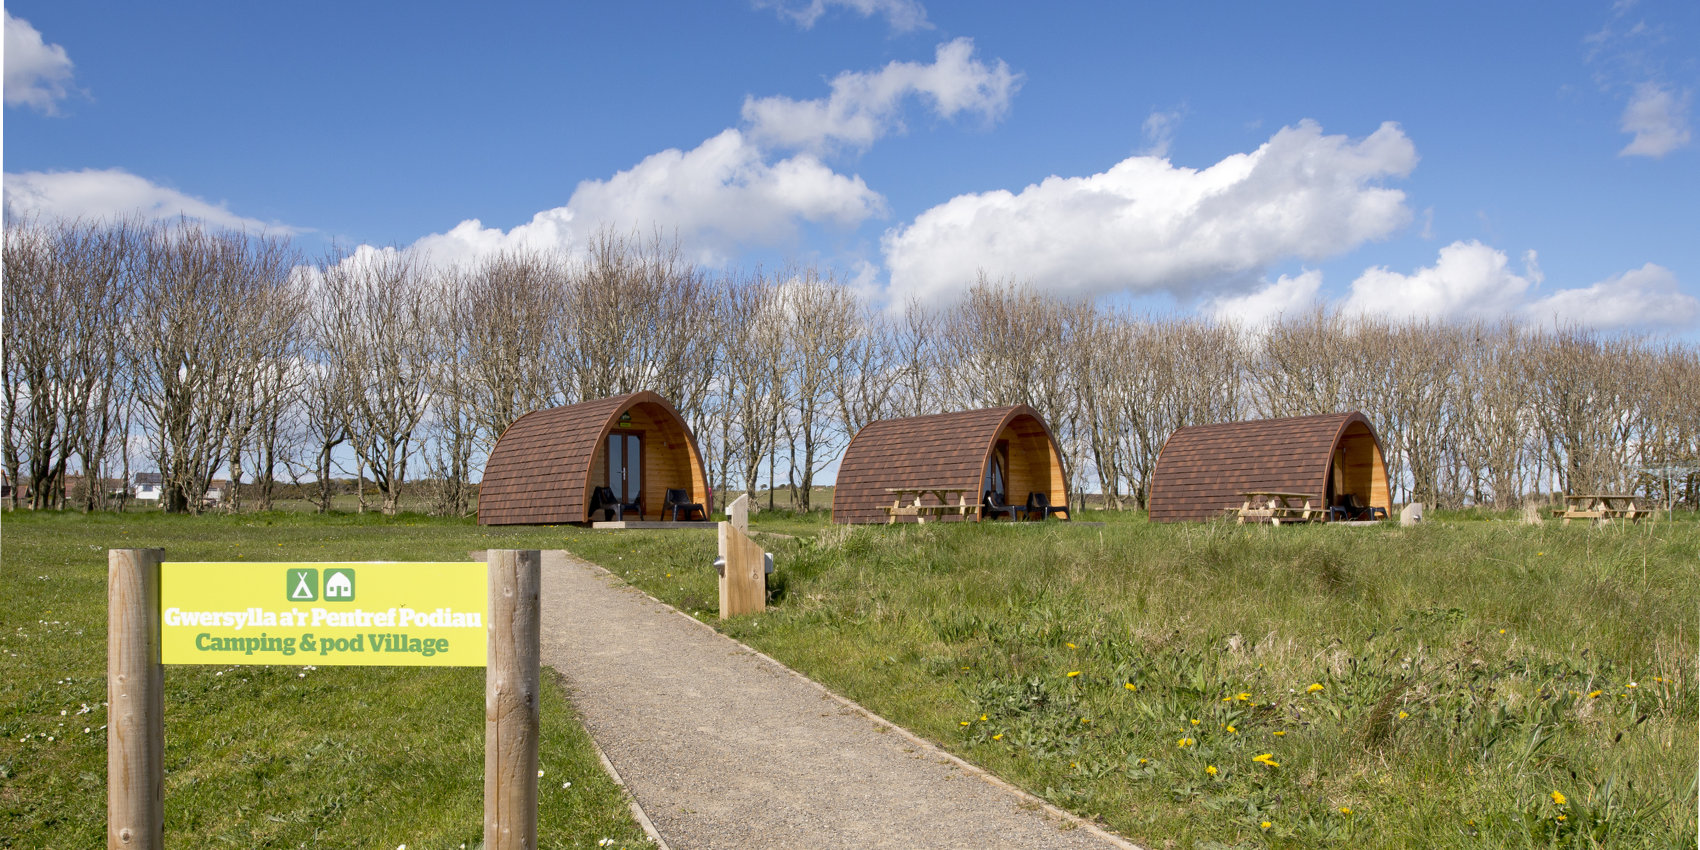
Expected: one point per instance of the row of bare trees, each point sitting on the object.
(199, 352)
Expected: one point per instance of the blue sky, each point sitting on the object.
(1455, 161)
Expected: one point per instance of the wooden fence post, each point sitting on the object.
(135, 682)
(743, 584)
(510, 700)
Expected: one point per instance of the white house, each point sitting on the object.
(149, 486)
(338, 587)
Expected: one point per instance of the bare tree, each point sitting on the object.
(382, 335)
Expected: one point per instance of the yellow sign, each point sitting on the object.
(350, 614)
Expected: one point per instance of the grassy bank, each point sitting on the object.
(263, 756)
(1473, 682)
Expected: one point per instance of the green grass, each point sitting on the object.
(1431, 686)
(263, 756)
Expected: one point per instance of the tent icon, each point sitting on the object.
(339, 585)
(302, 585)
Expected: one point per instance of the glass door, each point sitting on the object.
(625, 466)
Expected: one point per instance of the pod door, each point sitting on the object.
(625, 466)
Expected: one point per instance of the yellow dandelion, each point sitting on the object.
(1243, 697)
(982, 718)
(1085, 720)
(1131, 686)
(998, 737)
(1345, 810)
(1502, 631)
(1211, 769)
(1143, 761)
(1227, 699)
(964, 723)
(1266, 824)
(1403, 715)
(1195, 722)
(1069, 645)
(1280, 733)
(1593, 695)
(1562, 817)
(1558, 798)
(1315, 686)
(1184, 742)
(1073, 673)
(1232, 730)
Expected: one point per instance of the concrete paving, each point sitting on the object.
(723, 747)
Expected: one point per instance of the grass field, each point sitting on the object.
(1473, 682)
(263, 756)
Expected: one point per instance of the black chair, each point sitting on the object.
(1039, 504)
(679, 500)
(1359, 510)
(992, 504)
(603, 499)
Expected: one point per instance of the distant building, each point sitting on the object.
(149, 486)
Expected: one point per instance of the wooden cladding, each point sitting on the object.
(946, 450)
(1203, 469)
(545, 465)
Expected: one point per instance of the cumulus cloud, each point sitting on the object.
(1287, 296)
(1146, 225)
(1647, 297)
(38, 74)
(865, 105)
(114, 193)
(716, 196)
(1469, 281)
(1473, 281)
(902, 15)
(1658, 118)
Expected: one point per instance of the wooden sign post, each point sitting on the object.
(135, 697)
(743, 585)
(148, 625)
(510, 701)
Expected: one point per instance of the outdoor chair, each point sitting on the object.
(1039, 504)
(680, 500)
(992, 504)
(603, 499)
(1358, 510)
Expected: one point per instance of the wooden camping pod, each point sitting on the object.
(948, 450)
(546, 464)
(1203, 470)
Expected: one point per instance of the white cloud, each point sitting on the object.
(1469, 281)
(902, 15)
(38, 74)
(1472, 281)
(1647, 297)
(865, 105)
(1658, 117)
(717, 196)
(1287, 296)
(1159, 130)
(1146, 225)
(114, 193)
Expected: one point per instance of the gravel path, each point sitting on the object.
(723, 747)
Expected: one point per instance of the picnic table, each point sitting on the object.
(1275, 507)
(1601, 507)
(948, 500)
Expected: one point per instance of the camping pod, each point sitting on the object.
(546, 466)
(1007, 450)
(1203, 470)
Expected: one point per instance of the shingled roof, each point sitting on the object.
(1204, 469)
(541, 468)
(948, 450)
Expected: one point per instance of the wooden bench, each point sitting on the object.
(1276, 508)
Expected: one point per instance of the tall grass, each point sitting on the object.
(1463, 683)
(263, 756)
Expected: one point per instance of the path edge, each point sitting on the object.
(1026, 797)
